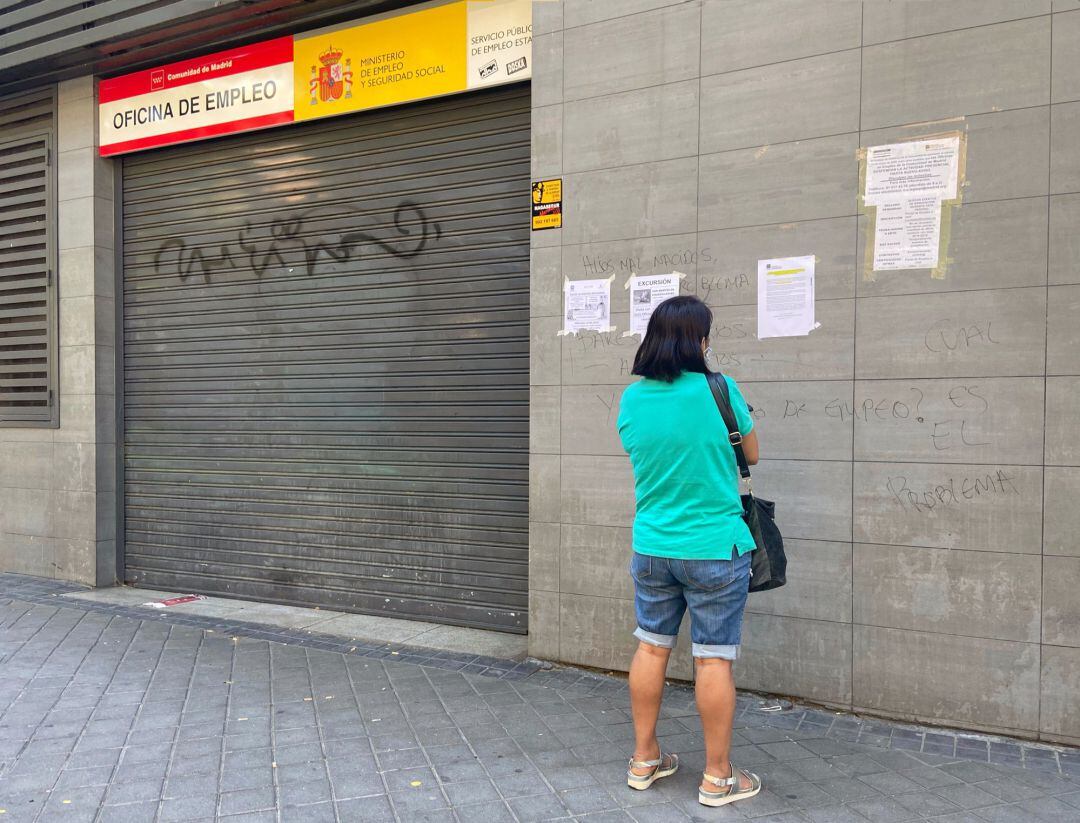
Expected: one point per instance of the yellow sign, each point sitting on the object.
(547, 204)
(397, 59)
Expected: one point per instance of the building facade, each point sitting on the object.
(321, 363)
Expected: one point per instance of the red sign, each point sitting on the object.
(222, 93)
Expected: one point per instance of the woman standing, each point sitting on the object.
(691, 545)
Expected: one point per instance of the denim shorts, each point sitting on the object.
(715, 591)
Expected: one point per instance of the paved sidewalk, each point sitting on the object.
(109, 713)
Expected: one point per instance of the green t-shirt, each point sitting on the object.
(686, 479)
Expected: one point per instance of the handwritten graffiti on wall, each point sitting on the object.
(264, 250)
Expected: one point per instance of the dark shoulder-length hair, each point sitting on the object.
(672, 343)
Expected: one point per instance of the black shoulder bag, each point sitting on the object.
(768, 563)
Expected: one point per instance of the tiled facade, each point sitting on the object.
(703, 136)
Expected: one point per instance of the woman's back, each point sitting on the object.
(685, 475)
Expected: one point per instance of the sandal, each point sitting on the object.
(643, 781)
(729, 788)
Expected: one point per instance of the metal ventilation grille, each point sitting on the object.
(326, 363)
(26, 302)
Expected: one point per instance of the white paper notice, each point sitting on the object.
(907, 233)
(907, 182)
(786, 297)
(919, 168)
(646, 293)
(587, 305)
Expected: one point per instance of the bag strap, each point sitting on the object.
(719, 386)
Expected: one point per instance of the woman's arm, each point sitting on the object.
(750, 448)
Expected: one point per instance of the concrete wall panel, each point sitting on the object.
(1062, 421)
(1065, 85)
(638, 126)
(582, 14)
(813, 497)
(595, 560)
(972, 71)
(1063, 330)
(599, 358)
(908, 18)
(802, 420)
(634, 52)
(1061, 608)
(545, 621)
(819, 96)
(1065, 148)
(546, 282)
(926, 676)
(727, 275)
(644, 200)
(826, 353)
(545, 359)
(976, 594)
(597, 491)
(1061, 534)
(634, 255)
(819, 583)
(970, 334)
(547, 85)
(589, 417)
(978, 508)
(994, 245)
(703, 137)
(545, 497)
(544, 555)
(1059, 719)
(547, 136)
(1064, 249)
(785, 655)
(597, 631)
(806, 180)
(744, 33)
(984, 420)
(545, 406)
(1008, 152)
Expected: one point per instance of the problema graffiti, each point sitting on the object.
(264, 250)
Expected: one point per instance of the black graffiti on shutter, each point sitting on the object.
(287, 234)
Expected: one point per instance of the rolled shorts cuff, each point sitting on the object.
(664, 641)
(722, 652)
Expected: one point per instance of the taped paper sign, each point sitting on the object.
(646, 293)
(587, 305)
(907, 183)
(907, 233)
(786, 297)
(919, 168)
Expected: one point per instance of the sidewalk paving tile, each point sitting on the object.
(162, 716)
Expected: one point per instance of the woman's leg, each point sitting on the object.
(647, 673)
(714, 688)
(659, 606)
(716, 592)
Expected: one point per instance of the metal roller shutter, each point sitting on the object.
(326, 349)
